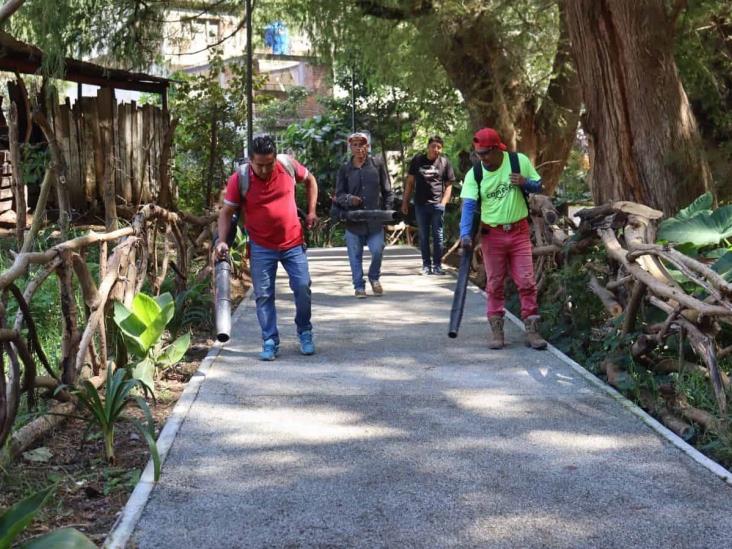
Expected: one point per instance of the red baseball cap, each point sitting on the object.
(486, 139)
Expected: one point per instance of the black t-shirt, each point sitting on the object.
(430, 177)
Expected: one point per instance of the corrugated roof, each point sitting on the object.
(25, 58)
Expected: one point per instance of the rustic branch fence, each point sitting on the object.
(134, 258)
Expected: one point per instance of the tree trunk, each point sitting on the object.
(477, 64)
(213, 147)
(645, 144)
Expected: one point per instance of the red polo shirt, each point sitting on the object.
(269, 209)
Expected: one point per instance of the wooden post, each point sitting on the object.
(17, 175)
(106, 106)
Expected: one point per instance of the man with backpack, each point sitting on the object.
(497, 187)
(263, 190)
(431, 176)
(363, 183)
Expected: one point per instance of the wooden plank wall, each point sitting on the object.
(98, 136)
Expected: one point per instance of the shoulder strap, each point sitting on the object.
(513, 158)
(243, 178)
(286, 162)
(478, 172)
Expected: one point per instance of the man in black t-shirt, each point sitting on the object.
(431, 176)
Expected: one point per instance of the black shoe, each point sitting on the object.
(437, 270)
(426, 270)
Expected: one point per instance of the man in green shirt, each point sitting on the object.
(505, 236)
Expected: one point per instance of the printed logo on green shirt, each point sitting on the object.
(502, 190)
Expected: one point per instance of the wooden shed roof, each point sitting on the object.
(26, 59)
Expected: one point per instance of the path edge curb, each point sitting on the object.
(126, 523)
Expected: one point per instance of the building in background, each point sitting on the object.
(280, 54)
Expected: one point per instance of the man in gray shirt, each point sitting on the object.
(363, 183)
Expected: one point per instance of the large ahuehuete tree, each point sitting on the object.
(510, 61)
(644, 141)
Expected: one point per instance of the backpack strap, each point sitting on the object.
(478, 173)
(243, 178)
(513, 158)
(286, 161)
(243, 173)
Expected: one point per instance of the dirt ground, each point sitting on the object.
(89, 492)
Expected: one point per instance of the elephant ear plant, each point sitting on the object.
(142, 327)
(702, 232)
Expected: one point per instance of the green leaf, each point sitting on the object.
(703, 202)
(167, 306)
(144, 324)
(175, 351)
(145, 372)
(19, 516)
(150, 439)
(145, 308)
(703, 228)
(723, 266)
(64, 538)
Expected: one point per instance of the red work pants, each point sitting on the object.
(504, 252)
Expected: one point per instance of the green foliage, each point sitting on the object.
(19, 516)
(63, 538)
(704, 58)
(237, 252)
(274, 114)
(193, 307)
(106, 413)
(34, 162)
(573, 311)
(125, 32)
(210, 132)
(320, 144)
(698, 225)
(142, 329)
(699, 231)
(573, 185)
(704, 228)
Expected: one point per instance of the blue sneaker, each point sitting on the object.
(269, 350)
(306, 343)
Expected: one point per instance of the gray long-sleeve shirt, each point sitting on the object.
(370, 182)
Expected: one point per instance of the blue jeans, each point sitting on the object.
(355, 244)
(429, 220)
(263, 264)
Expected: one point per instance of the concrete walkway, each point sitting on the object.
(393, 435)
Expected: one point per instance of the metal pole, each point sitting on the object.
(353, 102)
(249, 75)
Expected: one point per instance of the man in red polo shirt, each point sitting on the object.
(269, 214)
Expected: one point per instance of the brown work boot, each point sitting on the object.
(533, 337)
(495, 338)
